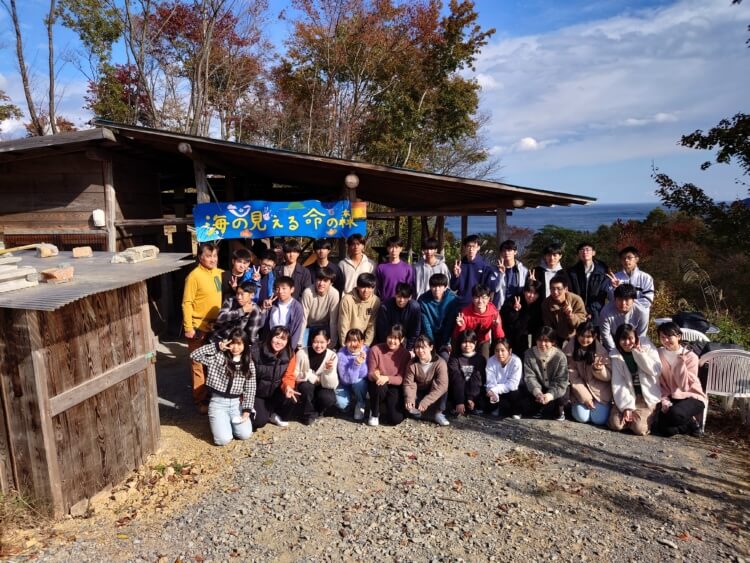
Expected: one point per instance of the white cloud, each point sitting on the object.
(625, 87)
(488, 82)
(660, 117)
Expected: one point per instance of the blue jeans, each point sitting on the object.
(598, 415)
(345, 391)
(221, 411)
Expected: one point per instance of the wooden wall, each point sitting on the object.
(56, 194)
(77, 396)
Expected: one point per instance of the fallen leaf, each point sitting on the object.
(121, 536)
(412, 457)
(684, 536)
(458, 485)
(472, 453)
(713, 455)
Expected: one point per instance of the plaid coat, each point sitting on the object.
(227, 379)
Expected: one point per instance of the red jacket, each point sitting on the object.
(487, 325)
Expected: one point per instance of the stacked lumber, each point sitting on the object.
(13, 276)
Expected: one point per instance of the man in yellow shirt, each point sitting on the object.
(201, 303)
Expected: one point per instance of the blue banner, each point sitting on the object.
(260, 219)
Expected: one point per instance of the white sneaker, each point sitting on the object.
(373, 421)
(441, 420)
(276, 419)
(516, 417)
(359, 411)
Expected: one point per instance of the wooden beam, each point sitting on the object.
(464, 227)
(75, 395)
(155, 222)
(110, 205)
(212, 162)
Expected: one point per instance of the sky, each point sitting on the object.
(583, 96)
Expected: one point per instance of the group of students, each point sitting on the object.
(279, 340)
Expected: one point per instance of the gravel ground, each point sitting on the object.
(479, 490)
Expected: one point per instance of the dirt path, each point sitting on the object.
(481, 489)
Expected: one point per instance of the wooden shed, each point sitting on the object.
(78, 403)
(146, 179)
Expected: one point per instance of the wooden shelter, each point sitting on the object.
(144, 179)
(78, 403)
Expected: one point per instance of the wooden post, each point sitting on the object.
(464, 226)
(201, 183)
(351, 195)
(110, 205)
(440, 229)
(501, 226)
(409, 237)
(396, 226)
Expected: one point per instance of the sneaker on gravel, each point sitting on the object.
(561, 418)
(373, 421)
(276, 419)
(516, 417)
(441, 420)
(477, 412)
(496, 412)
(359, 411)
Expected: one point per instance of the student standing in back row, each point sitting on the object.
(322, 248)
(290, 268)
(431, 263)
(512, 273)
(470, 271)
(355, 263)
(630, 273)
(588, 280)
(390, 274)
(549, 266)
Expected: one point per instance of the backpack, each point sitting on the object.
(692, 319)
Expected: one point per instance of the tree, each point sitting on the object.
(36, 124)
(8, 110)
(118, 96)
(380, 81)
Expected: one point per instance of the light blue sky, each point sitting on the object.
(583, 95)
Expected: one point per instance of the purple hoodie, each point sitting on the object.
(349, 371)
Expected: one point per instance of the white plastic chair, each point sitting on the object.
(692, 335)
(728, 375)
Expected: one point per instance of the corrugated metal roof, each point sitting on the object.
(92, 275)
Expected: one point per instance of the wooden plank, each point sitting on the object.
(43, 230)
(155, 222)
(8, 473)
(33, 143)
(49, 455)
(152, 395)
(110, 205)
(43, 220)
(14, 285)
(25, 201)
(83, 391)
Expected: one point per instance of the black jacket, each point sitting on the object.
(301, 277)
(519, 325)
(269, 369)
(593, 292)
(410, 317)
(466, 377)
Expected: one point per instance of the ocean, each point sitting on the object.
(576, 217)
